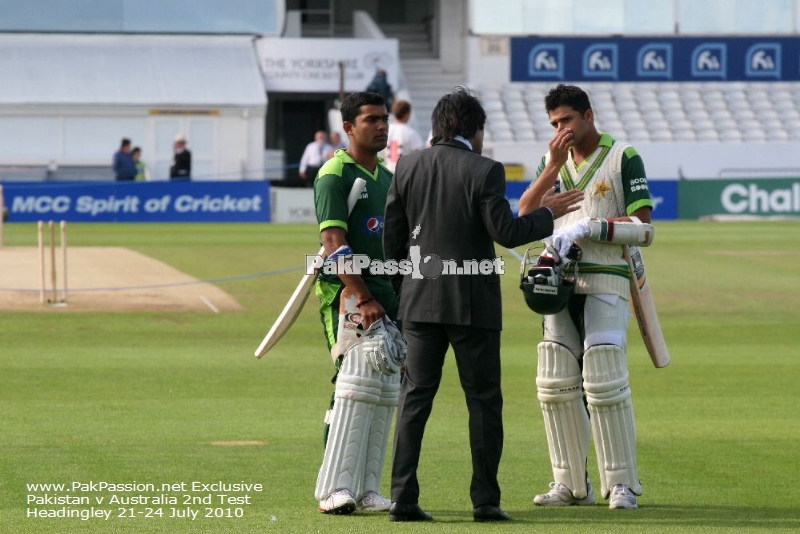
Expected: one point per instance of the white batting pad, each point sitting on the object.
(566, 421)
(347, 334)
(358, 391)
(605, 377)
(379, 431)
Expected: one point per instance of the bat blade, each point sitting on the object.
(644, 309)
(289, 314)
(298, 299)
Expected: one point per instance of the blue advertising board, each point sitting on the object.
(196, 201)
(641, 59)
(138, 201)
(664, 194)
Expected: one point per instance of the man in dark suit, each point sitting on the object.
(182, 161)
(446, 207)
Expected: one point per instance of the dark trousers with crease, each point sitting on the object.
(477, 353)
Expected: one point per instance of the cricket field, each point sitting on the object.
(120, 419)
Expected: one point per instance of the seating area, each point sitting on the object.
(661, 112)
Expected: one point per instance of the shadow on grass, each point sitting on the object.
(700, 516)
(657, 517)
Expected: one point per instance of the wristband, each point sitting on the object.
(370, 299)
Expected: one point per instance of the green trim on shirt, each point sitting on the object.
(645, 203)
(594, 268)
(333, 224)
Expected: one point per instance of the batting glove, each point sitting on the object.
(562, 239)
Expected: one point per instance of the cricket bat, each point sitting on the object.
(645, 309)
(298, 299)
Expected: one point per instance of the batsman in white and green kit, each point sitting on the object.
(582, 371)
(357, 313)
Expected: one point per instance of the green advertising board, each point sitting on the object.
(764, 197)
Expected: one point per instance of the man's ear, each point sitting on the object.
(348, 127)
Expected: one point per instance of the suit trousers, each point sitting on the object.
(477, 353)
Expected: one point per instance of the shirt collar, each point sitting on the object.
(344, 157)
(462, 140)
(605, 140)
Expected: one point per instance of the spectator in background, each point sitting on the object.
(403, 139)
(335, 143)
(141, 169)
(312, 159)
(124, 167)
(380, 85)
(182, 160)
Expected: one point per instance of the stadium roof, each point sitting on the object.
(129, 70)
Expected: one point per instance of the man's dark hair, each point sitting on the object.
(125, 142)
(457, 113)
(352, 102)
(567, 95)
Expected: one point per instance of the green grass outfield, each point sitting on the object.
(149, 397)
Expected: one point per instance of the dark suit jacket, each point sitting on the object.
(457, 199)
(182, 166)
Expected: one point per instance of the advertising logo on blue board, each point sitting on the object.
(654, 60)
(680, 59)
(546, 60)
(176, 201)
(600, 61)
(709, 60)
(763, 60)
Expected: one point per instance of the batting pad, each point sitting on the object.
(379, 431)
(358, 391)
(566, 421)
(605, 377)
(347, 334)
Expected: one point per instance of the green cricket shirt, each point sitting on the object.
(364, 225)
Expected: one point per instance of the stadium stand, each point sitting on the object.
(727, 112)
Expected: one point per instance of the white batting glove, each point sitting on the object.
(562, 239)
(398, 338)
(379, 349)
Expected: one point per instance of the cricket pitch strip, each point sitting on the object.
(105, 279)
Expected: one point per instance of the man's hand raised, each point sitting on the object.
(562, 203)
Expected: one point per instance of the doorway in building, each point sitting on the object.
(292, 121)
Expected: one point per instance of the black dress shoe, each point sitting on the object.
(408, 512)
(489, 512)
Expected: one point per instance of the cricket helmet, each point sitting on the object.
(544, 285)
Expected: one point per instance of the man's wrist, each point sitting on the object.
(364, 301)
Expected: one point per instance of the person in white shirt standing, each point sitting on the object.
(313, 157)
(403, 139)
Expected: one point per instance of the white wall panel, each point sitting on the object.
(36, 138)
(99, 137)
